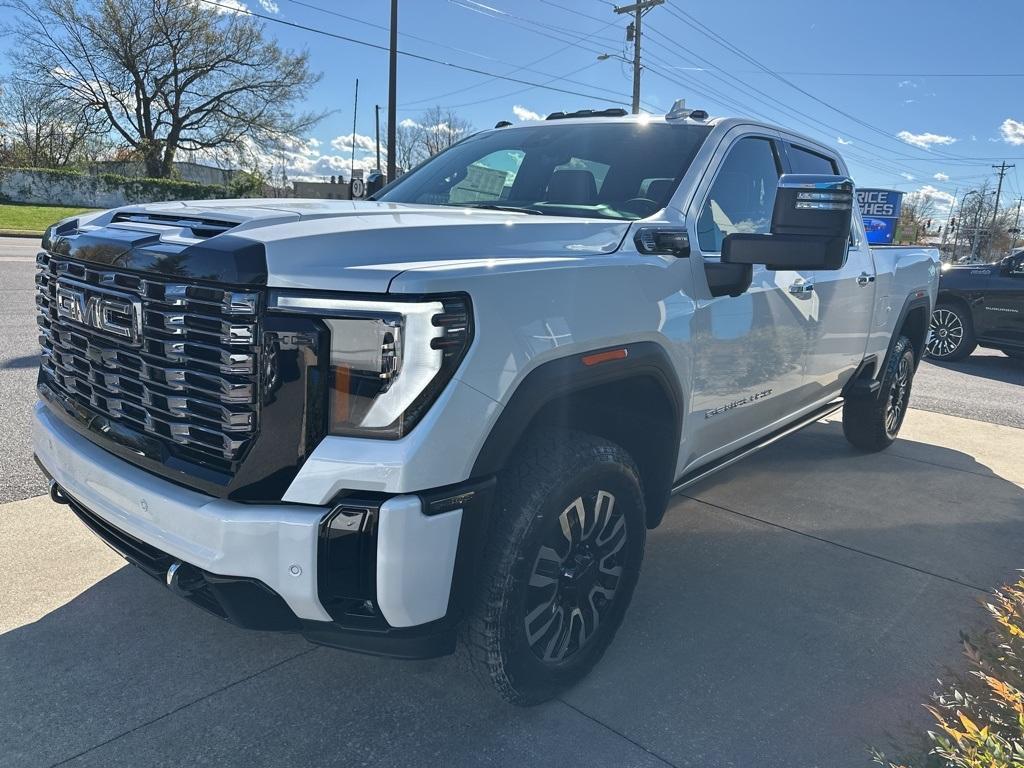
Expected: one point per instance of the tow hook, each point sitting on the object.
(57, 494)
(183, 579)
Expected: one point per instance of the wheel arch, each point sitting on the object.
(912, 322)
(950, 297)
(635, 401)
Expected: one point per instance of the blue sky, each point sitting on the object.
(890, 62)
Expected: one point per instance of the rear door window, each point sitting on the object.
(806, 161)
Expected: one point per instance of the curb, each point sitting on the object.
(26, 233)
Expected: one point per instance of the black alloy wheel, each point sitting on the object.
(575, 576)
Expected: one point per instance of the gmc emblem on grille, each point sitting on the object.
(111, 312)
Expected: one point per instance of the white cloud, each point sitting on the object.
(221, 7)
(907, 176)
(362, 143)
(943, 200)
(302, 160)
(907, 84)
(924, 140)
(909, 101)
(1012, 131)
(522, 113)
(270, 6)
(842, 141)
(940, 176)
(408, 123)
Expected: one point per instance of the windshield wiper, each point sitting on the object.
(497, 207)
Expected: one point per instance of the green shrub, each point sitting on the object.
(979, 716)
(139, 189)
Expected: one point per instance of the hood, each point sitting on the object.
(329, 244)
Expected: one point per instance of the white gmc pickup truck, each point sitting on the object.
(455, 410)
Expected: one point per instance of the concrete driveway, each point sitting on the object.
(792, 610)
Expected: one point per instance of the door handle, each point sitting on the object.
(864, 278)
(802, 290)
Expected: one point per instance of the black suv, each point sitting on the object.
(979, 305)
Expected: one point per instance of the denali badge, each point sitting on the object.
(108, 311)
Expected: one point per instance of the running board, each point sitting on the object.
(741, 453)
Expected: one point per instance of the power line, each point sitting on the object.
(407, 54)
(694, 23)
(518, 68)
(673, 47)
(526, 67)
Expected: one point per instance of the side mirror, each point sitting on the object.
(810, 226)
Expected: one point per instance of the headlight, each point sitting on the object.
(389, 360)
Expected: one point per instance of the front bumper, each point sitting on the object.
(258, 565)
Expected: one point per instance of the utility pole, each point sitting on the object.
(638, 10)
(376, 109)
(393, 91)
(355, 111)
(1001, 169)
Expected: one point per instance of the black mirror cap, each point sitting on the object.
(794, 252)
(728, 279)
(813, 204)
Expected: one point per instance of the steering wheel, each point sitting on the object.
(642, 206)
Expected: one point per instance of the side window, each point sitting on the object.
(805, 161)
(742, 197)
(1017, 267)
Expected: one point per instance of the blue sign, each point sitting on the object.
(881, 210)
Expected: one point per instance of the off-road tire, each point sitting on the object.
(872, 422)
(950, 333)
(537, 496)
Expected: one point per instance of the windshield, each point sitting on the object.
(597, 170)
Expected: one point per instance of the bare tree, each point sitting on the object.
(44, 129)
(165, 74)
(441, 128)
(409, 145)
(916, 213)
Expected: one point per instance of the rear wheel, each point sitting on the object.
(950, 333)
(872, 422)
(560, 567)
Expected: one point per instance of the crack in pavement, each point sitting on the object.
(621, 735)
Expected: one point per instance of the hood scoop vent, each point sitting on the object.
(200, 227)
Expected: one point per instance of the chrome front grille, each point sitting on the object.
(188, 376)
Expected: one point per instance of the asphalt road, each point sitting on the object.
(986, 387)
(19, 477)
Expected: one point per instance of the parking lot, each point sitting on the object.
(790, 628)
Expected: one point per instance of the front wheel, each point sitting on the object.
(561, 563)
(872, 422)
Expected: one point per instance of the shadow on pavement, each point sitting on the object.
(25, 361)
(760, 634)
(994, 367)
